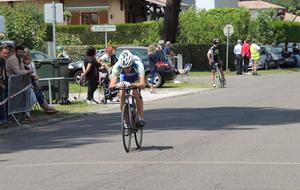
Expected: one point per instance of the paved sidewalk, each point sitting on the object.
(109, 107)
(147, 96)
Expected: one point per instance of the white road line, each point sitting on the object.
(151, 163)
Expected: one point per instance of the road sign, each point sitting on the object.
(49, 10)
(2, 24)
(103, 28)
(228, 30)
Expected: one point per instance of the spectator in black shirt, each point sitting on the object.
(90, 72)
(3, 82)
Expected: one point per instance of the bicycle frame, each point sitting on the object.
(131, 121)
(130, 100)
(218, 73)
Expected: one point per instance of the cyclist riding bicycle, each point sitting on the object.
(132, 74)
(215, 61)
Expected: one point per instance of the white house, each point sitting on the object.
(256, 6)
(211, 4)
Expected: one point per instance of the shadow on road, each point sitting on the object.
(99, 128)
(158, 148)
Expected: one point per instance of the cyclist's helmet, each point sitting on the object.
(216, 41)
(126, 59)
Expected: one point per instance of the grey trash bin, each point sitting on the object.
(63, 84)
(54, 69)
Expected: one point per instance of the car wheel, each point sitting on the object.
(266, 66)
(158, 81)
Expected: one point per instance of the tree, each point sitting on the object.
(170, 27)
(25, 25)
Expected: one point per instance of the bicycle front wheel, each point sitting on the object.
(126, 127)
(138, 136)
(221, 79)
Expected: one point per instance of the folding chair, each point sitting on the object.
(186, 70)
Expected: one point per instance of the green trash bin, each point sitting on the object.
(54, 69)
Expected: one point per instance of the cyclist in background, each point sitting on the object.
(214, 61)
(132, 74)
(108, 59)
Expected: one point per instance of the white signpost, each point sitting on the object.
(53, 14)
(104, 28)
(228, 31)
(2, 28)
(2, 25)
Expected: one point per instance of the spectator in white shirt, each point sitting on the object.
(238, 57)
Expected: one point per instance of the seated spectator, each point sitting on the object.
(14, 65)
(37, 90)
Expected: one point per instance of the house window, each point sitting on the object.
(89, 18)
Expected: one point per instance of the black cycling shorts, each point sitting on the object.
(213, 66)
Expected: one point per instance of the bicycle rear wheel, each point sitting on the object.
(138, 134)
(126, 127)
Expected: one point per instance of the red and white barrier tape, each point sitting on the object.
(14, 95)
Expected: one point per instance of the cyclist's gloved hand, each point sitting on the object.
(120, 85)
(127, 84)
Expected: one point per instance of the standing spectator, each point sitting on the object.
(161, 45)
(3, 83)
(3, 58)
(246, 55)
(214, 61)
(169, 52)
(238, 57)
(152, 66)
(114, 58)
(90, 72)
(255, 56)
(296, 53)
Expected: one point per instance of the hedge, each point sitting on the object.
(288, 31)
(137, 33)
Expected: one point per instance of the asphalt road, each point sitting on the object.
(243, 137)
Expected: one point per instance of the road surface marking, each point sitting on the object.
(151, 163)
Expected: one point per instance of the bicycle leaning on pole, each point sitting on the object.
(130, 120)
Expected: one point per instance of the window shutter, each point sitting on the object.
(103, 17)
(75, 18)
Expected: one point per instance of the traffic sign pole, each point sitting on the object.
(228, 31)
(53, 29)
(227, 50)
(105, 39)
